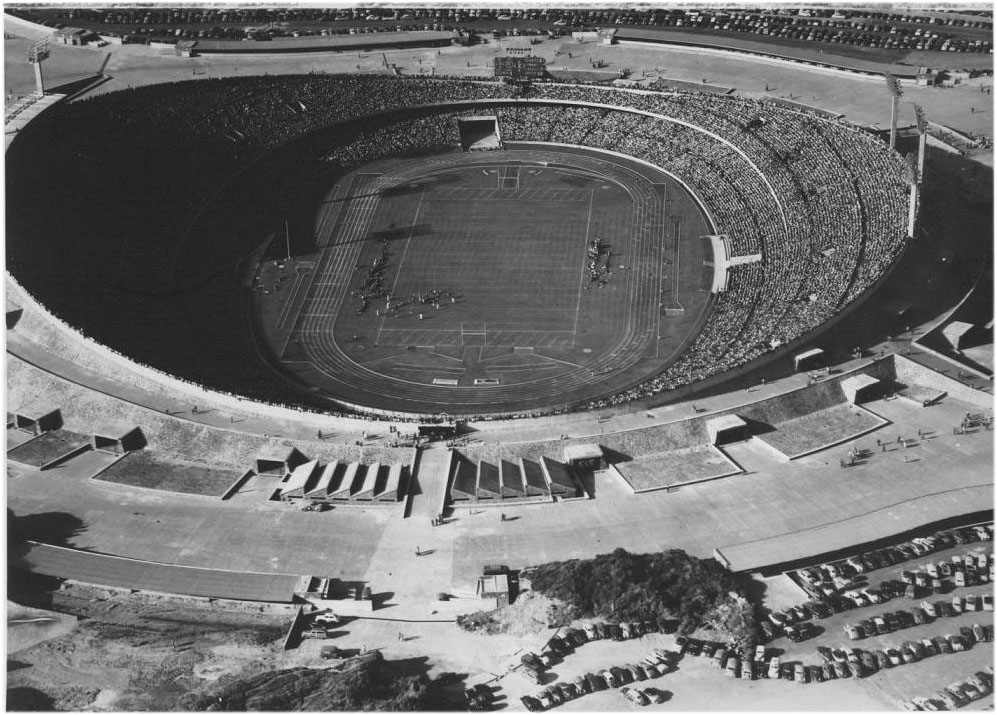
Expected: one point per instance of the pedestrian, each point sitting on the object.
(194, 410)
(400, 636)
(503, 516)
(878, 442)
(899, 439)
(883, 447)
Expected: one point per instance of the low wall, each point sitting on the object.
(219, 604)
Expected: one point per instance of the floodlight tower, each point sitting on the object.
(37, 53)
(914, 192)
(893, 84)
(922, 140)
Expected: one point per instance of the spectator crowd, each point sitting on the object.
(823, 203)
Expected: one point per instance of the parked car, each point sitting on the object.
(828, 671)
(733, 667)
(882, 660)
(654, 695)
(841, 669)
(800, 673)
(853, 631)
(929, 609)
(868, 661)
(635, 696)
(894, 655)
(773, 671)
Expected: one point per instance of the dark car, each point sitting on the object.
(766, 631)
(828, 670)
(868, 662)
(918, 615)
(531, 703)
(622, 675)
(903, 619)
(600, 630)
(815, 673)
(820, 610)
(595, 682)
(693, 647)
(841, 669)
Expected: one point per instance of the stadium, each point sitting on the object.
(806, 213)
(323, 347)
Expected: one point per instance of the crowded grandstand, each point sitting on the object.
(136, 177)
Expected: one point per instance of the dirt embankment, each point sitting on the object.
(130, 656)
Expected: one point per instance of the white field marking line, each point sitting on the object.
(662, 238)
(678, 258)
(398, 272)
(581, 281)
(548, 357)
(286, 308)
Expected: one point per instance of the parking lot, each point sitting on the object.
(922, 678)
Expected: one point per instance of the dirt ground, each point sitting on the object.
(123, 655)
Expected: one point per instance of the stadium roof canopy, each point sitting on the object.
(118, 572)
(327, 42)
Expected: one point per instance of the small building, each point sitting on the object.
(809, 360)
(511, 480)
(607, 36)
(117, 439)
(320, 491)
(343, 490)
(186, 48)
(561, 479)
(390, 489)
(534, 478)
(36, 419)
(297, 484)
(465, 482)
(363, 486)
(277, 460)
(726, 429)
(71, 36)
(488, 485)
(584, 456)
(494, 586)
(14, 313)
(955, 332)
(860, 388)
(925, 77)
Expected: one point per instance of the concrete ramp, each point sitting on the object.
(431, 481)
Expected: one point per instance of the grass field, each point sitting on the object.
(142, 469)
(679, 467)
(464, 282)
(808, 433)
(46, 447)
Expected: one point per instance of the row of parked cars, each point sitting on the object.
(826, 579)
(919, 615)
(964, 569)
(959, 693)
(560, 646)
(653, 666)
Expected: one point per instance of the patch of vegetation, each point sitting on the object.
(369, 683)
(668, 585)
